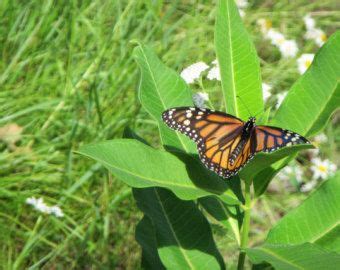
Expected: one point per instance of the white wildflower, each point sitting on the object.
(304, 61)
(265, 25)
(38, 204)
(266, 91)
(214, 72)
(193, 72)
(320, 139)
(309, 22)
(56, 211)
(242, 13)
(280, 97)
(31, 201)
(306, 187)
(275, 37)
(320, 37)
(41, 206)
(242, 3)
(314, 33)
(288, 48)
(317, 35)
(322, 168)
(289, 172)
(200, 98)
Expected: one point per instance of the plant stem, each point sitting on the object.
(245, 227)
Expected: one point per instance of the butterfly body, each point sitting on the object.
(225, 143)
(246, 133)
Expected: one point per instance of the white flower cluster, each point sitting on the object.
(192, 73)
(322, 169)
(242, 4)
(266, 90)
(314, 33)
(39, 204)
(287, 47)
(293, 171)
(214, 72)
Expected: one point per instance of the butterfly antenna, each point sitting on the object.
(244, 104)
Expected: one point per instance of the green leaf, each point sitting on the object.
(295, 257)
(184, 237)
(309, 103)
(264, 117)
(316, 220)
(229, 216)
(145, 236)
(162, 88)
(238, 61)
(139, 165)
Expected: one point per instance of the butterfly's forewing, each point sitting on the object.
(269, 139)
(216, 134)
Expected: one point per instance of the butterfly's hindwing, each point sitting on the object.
(269, 139)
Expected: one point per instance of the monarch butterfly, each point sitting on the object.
(226, 143)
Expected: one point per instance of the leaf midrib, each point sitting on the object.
(232, 62)
(173, 232)
(326, 231)
(280, 258)
(140, 176)
(159, 95)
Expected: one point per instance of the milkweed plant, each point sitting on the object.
(180, 198)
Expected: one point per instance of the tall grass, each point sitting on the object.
(68, 78)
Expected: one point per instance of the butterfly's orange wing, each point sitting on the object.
(217, 134)
(269, 139)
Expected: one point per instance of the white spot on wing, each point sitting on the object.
(186, 122)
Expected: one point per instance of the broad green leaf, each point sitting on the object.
(139, 165)
(162, 88)
(316, 220)
(238, 61)
(184, 237)
(295, 257)
(264, 117)
(309, 103)
(229, 216)
(145, 236)
(262, 160)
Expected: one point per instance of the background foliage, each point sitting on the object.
(67, 77)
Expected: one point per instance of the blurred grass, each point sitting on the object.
(68, 78)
